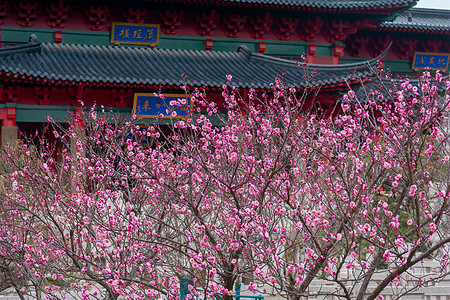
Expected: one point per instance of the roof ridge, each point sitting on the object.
(145, 49)
(308, 5)
(20, 49)
(288, 62)
(434, 11)
(420, 20)
(124, 66)
(242, 49)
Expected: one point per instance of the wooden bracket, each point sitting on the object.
(404, 48)
(431, 45)
(27, 12)
(355, 43)
(308, 28)
(122, 97)
(57, 14)
(207, 22)
(171, 20)
(43, 94)
(3, 11)
(135, 15)
(78, 93)
(338, 30)
(233, 24)
(9, 93)
(97, 16)
(286, 26)
(260, 25)
(377, 44)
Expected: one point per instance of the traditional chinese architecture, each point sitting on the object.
(54, 53)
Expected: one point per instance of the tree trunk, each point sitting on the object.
(229, 285)
(112, 296)
(293, 297)
(368, 277)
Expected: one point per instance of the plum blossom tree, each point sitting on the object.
(271, 186)
(74, 215)
(366, 199)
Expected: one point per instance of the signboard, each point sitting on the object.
(135, 34)
(147, 105)
(430, 61)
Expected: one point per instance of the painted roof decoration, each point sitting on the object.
(420, 19)
(311, 4)
(45, 63)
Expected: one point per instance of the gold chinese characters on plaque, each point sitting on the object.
(135, 34)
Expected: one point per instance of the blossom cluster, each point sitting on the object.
(266, 189)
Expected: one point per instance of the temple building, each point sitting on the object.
(55, 53)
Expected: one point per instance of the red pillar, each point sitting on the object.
(9, 128)
(338, 51)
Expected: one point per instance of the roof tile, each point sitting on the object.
(113, 64)
(318, 4)
(421, 19)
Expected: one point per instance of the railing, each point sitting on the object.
(238, 296)
(184, 291)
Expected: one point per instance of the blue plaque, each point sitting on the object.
(431, 61)
(147, 105)
(135, 34)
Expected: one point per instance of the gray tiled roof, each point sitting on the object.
(145, 66)
(335, 5)
(421, 19)
(341, 4)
